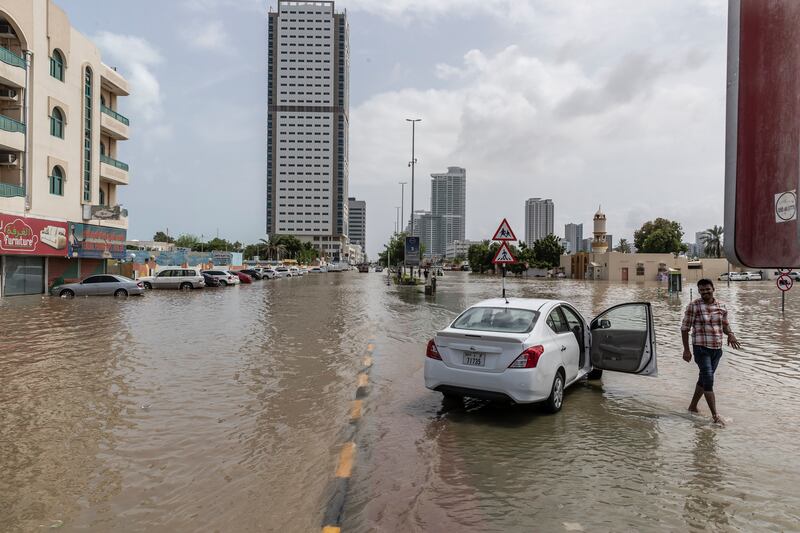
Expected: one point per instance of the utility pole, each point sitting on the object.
(412, 164)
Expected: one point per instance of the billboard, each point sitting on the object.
(97, 242)
(412, 251)
(32, 236)
(762, 145)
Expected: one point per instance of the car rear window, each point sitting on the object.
(497, 319)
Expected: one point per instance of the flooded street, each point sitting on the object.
(226, 409)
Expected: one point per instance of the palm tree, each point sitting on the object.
(712, 241)
(623, 246)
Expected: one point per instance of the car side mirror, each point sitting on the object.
(603, 323)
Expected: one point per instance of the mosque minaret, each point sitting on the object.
(599, 245)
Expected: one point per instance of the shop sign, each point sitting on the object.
(32, 236)
(97, 242)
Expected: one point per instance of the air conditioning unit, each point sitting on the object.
(6, 30)
(8, 159)
(8, 94)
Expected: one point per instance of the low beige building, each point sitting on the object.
(617, 266)
(60, 168)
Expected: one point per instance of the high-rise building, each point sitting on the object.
(448, 209)
(61, 138)
(308, 66)
(573, 233)
(357, 222)
(539, 216)
(417, 217)
(609, 242)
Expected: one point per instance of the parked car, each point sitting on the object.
(241, 276)
(210, 280)
(100, 285)
(224, 277)
(185, 279)
(794, 275)
(282, 272)
(753, 276)
(296, 271)
(740, 276)
(253, 273)
(267, 273)
(529, 350)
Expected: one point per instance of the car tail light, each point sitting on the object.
(529, 358)
(140, 285)
(432, 351)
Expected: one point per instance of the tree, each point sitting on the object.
(160, 236)
(659, 236)
(547, 252)
(712, 241)
(394, 250)
(623, 246)
(187, 240)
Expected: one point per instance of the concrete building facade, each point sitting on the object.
(573, 233)
(539, 216)
(308, 94)
(60, 139)
(357, 222)
(616, 266)
(448, 209)
(458, 248)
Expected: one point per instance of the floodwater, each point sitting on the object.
(226, 409)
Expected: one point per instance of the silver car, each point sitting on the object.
(100, 285)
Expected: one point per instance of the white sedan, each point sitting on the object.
(530, 350)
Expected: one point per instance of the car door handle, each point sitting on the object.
(563, 348)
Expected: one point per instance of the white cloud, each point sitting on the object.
(137, 59)
(207, 35)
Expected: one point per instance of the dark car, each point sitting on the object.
(255, 274)
(211, 281)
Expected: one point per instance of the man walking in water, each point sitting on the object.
(708, 320)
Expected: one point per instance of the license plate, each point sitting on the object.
(474, 359)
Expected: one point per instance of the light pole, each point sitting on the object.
(412, 164)
(397, 220)
(402, 200)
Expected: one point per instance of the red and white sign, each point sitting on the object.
(32, 236)
(784, 282)
(504, 232)
(503, 255)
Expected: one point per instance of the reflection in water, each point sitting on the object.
(225, 410)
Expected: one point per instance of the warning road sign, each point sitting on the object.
(504, 232)
(503, 255)
(784, 282)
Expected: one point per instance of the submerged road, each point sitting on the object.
(275, 406)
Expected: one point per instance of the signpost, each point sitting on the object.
(504, 256)
(784, 283)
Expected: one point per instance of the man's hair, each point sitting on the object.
(705, 281)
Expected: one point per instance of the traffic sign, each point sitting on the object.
(784, 270)
(784, 282)
(504, 232)
(503, 255)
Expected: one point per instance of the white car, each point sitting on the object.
(268, 273)
(282, 272)
(296, 272)
(530, 350)
(184, 279)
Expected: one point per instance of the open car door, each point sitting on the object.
(624, 339)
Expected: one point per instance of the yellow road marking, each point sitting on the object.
(370, 347)
(368, 361)
(355, 410)
(362, 380)
(346, 460)
(331, 529)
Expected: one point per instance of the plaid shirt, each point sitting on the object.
(707, 322)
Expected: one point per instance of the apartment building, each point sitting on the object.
(573, 233)
(308, 65)
(357, 224)
(539, 216)
(60, 139)
(448, 209)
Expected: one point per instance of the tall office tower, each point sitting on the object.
(448, 208)
(610, 242)
(307, 124)
(574, 234)
(417, 217)
(538, 219)
(357, 222)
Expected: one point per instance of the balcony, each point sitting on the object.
(12, 134)
(10, 191)
(113, 81)
(113, 171)
(12, 68)
(113, 124)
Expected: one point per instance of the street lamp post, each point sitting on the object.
(412, 164)
(402, 201)
(397, 220)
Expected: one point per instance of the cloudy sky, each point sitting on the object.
(617, 102)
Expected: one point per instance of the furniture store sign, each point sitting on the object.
(32, 236)
(96, 242)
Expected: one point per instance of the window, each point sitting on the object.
(102, 197)
(557, 322)
(57, 123)
(87, 135)
(57, 182)
(640, 269)
(57, 65)
(501, 319)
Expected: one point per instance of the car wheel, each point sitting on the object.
(556, 398)
(596, 373)
(223, 283)
(147, 285)
(120, 293)
(452, 397)
(67, 294)
(186, 286)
